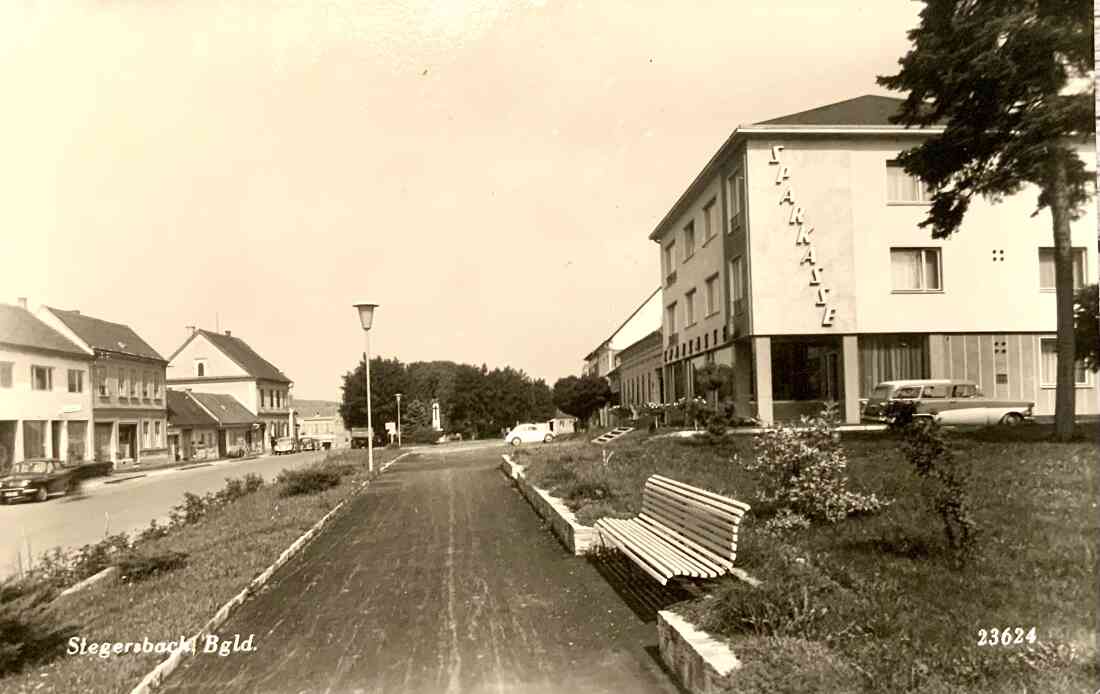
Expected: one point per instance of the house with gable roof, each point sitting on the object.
(128, 400)
(45, 391)
(221, 363)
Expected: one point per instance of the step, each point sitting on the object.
(612, 435)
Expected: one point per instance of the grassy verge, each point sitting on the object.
(873, 603)
(226, 549)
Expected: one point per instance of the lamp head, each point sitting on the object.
(366, 314)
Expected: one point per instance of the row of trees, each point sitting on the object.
(473, 401)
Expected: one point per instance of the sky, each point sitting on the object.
(488, 172)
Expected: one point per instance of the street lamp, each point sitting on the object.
(399, 420)
(366, 319)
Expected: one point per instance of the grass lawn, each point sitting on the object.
(874, 603)
(227, 549)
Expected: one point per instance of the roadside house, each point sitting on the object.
(192, 431)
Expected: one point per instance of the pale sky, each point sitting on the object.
(487, 171)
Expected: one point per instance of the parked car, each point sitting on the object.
(37, 479)
(946, 401)
(307, 444)
(285, 445)
(528, 433)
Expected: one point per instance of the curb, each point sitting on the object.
(119, 480)
(88, 582)
(167, 666)
(703, 664)
(578, 539)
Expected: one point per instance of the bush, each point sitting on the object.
(136, 566)
(802, 471)
(309, 480)
(422, 435)
(30, 633)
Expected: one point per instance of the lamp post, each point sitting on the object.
(366, 319)
(399, 420)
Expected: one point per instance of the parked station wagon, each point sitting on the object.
(947, 401)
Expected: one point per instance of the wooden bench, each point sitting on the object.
(681, 531)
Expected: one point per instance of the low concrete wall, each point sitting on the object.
(577, 538)
(703, 664)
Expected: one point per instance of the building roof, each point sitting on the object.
(225, 408)
(106, 336)
(20, 328)
(623, 324)
(184, 411)
(868, 109)
(316, 408)
(651, 341)
(558, 414)
(240, 352)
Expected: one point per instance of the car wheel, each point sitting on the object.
(516, 441)
(1012, 419)
(41, 494)
(547, 439)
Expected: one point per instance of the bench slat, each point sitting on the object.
(723, 500)
(720, 554)
(627, 548)
(660, 561)
(700, 553)
(704, 530)
(723, 510)
(661, 551)
(674, 546)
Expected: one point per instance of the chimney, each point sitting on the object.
(228, 334)
(22, 302)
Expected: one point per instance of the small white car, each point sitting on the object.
(528, 433)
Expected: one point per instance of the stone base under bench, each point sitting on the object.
(703, 664)
(577, 538)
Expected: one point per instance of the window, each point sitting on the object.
(101, 381)
(907, 393)
(76, 381)
(936, 391)
(689, 240)
(145, 434)
(737, 198)
(1046, 269)
(1048, 365)
(916, 269)
(965, 390)
(123, 384)
(156, 434)
(689, 308)
(5, 374)
(146, 384)
(712, 294)
(133, 384)
(737, 284)
(710, 220)
(903, 187)
(670, 258)
(200, 367)
(670, 317)
(41, 378)
(156, 386)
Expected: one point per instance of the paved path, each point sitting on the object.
(439, 578)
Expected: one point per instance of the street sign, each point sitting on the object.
(391, 428)
(360, 433)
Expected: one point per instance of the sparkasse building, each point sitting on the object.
(796, 257)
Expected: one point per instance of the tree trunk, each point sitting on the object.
(1064, 414)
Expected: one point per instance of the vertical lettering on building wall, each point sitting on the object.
(802, 238)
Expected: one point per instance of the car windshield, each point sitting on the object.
(30, 467)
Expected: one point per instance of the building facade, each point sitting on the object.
(640, 372)
(796, 258)
(130, 412)
(192, 431)
(211, 362)
(320, 420)
(45, 391)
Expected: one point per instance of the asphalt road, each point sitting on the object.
(124, 506)
(439, 578)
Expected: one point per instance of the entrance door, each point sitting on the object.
(222, 446)
(831, 368)
(103, 442)
(55, 440)
(127, 441)
(7, 446)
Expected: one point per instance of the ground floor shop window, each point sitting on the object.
(891, 358)
(34, 439)
(1048, 365)
(78, 436)
(806, 369)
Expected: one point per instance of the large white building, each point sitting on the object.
(45, 391)
(821, 282)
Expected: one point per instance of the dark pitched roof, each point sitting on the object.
(225, 407)
(185, 412)
(316, 408)
(868, 109)
(238, 350)
(106, 336)
(20, 328)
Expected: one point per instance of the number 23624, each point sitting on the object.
(1006, 637)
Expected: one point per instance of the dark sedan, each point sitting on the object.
(36, 479)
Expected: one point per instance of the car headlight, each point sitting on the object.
(24, 483)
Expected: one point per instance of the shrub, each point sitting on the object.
(30, 633)
(946, 482)
(802, 470)
(136, 566)
(420, 435)
(309, 480)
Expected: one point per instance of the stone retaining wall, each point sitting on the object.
(703, 664)
(577, 538)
